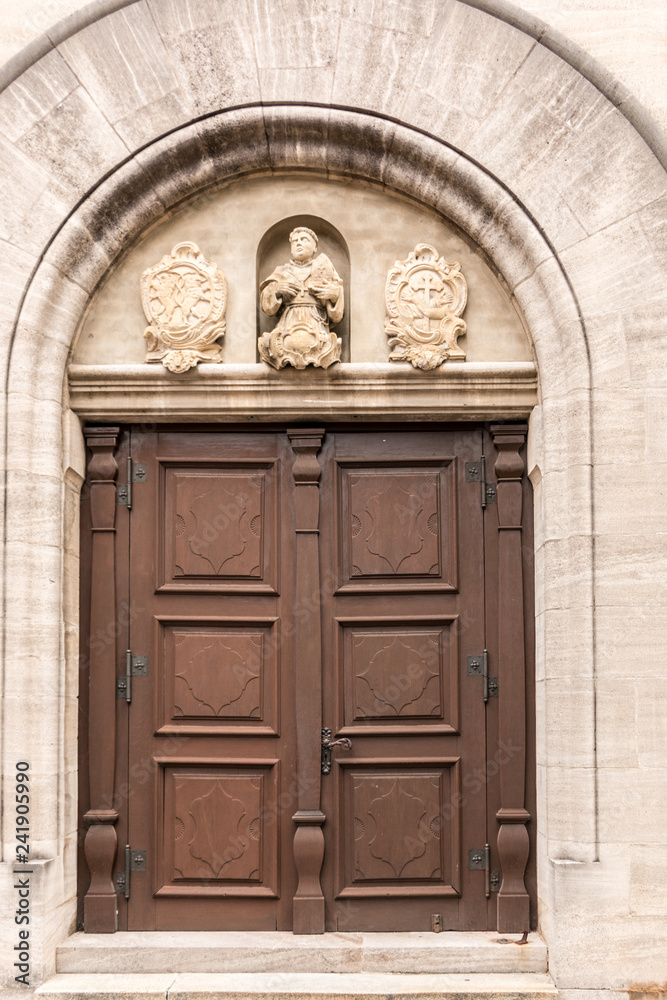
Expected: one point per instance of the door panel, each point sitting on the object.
(402, 535)
(211, 735)
(213, 776)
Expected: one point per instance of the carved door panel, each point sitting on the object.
(246, 547)
(403, 608)
(211, 731)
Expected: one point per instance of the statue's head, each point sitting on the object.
(304, 244)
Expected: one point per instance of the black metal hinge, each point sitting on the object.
(136, 473)
(135, 861)
(476, 473)
(135, 666)
(478, 665)
(479, 859)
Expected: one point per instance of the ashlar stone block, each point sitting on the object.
(628, 638)
(632, 569)
(121, 61)
(23, 182)
(377, 68)
(74, 143)
(616, 718)
(651, 723)
(608, 174)
(451, 95)
(295, 33)
(34, 94)
(568, 707)
(627, 799)
(571, 796)
(648, 880)
(415, 17)
(211, 50)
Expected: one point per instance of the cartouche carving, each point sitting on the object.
(307, 295)
(184, 298)
(425, 297)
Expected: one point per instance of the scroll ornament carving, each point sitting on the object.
(425, 298)
(306, 294)
(184, 298)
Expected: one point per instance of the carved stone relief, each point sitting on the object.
(425, 297)
(307, 295)
(184, 298)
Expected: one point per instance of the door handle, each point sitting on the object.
(327, 746)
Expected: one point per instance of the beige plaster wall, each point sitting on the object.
(228, 224)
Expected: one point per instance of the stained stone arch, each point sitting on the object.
(533, 160)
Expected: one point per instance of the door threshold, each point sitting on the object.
(414, 952)
(300, 986)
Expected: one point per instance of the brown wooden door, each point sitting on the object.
(214, 779)
(211, 726)
(402, 554)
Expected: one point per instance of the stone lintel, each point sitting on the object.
(224, 393)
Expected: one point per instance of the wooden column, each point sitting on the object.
(100, 903)
(308, 913)
(513, 842)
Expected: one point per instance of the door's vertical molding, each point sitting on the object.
(308, 911)
(513, 840)
(100, 903)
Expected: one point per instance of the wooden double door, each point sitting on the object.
(279, 584)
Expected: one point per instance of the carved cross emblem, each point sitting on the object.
(425, 297)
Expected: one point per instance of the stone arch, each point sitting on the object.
(594, 328)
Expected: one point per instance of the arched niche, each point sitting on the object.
(273, 249)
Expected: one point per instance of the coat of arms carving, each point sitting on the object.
(184, 298)
(425, 297)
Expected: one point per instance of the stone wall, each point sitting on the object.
(499, 130)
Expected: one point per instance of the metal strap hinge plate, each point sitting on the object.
(479, 860)
(476, 473)
(136, 473)
(478, 665)
(135, 666)
(135, 861)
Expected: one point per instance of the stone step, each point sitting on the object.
(300, 986)
(144, 952)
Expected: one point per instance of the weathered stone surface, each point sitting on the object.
(211, 50)
(414, 17)
(23, 182)
(289, 83)
(122, 62)
(569, 713)
(294, 33)
(74, 142)
(607, 174)
(153, 120)
(379, 68)
(450, 102)
(281, 951)
(38, 91)
(616, 712)
(571, 828)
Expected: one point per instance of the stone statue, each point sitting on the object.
(307, 295)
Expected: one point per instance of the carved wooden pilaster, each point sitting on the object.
(308, 838)
(100, 904)
(513, 841)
